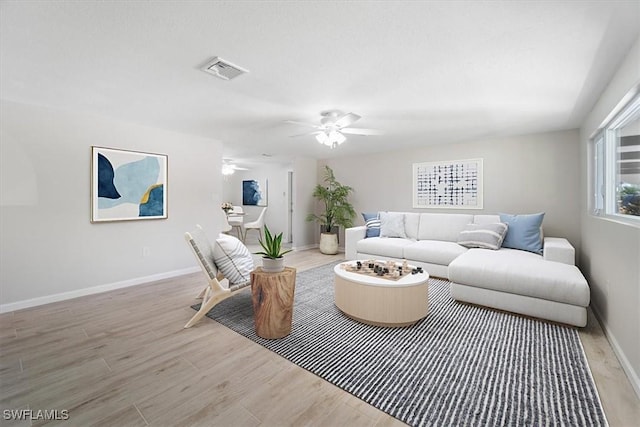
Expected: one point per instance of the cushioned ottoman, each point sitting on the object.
(522, 282)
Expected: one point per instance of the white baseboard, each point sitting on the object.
(624, 362)
(34, 302)
(314, 246)
(306, 247)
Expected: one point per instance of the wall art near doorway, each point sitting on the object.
(254, 192)
(127, 185)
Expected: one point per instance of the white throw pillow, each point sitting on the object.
(392, 225)
(233, 259)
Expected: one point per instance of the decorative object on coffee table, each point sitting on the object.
(390, 270)
(337, 211)
(272, 255)
(272, 297)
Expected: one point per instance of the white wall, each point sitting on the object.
(277, 188)
(49, 248)
(304, 181)
(611, 250)
(525, 174)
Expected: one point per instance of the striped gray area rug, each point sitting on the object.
(461, 365)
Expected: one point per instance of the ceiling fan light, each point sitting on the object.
(322, 138)
(227, 169)
(337, 137)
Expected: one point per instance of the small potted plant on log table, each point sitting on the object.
(272, 290)
(272, 253)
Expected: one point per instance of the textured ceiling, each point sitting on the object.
(422, 72)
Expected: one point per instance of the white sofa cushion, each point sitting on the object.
(521, 273)
(411, 223)
(433, 251)
(486, 219)
(392, 225)
(445, 227)
(383, 246)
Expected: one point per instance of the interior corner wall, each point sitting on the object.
(304, 181)
(523, 174)
(49, 247)
(611, 249)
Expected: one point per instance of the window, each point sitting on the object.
(616, 161)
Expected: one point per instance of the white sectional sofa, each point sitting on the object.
(547, 285)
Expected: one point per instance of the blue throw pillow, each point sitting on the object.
(523, 232)
(372, 222)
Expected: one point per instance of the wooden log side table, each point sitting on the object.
(272, 298)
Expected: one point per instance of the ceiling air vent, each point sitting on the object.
(223, 69)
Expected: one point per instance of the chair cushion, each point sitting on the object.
(233, 259)
(486, 236)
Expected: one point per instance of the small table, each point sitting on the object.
(272, 298)
(379, 301)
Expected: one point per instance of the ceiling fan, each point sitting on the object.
(333, 124)
(228, 168)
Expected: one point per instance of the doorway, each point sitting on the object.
(290, 207)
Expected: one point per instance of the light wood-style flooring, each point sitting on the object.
(122, 358)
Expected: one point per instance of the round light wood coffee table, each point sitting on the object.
(379, 301)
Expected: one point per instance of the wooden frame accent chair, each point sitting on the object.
(214, 292)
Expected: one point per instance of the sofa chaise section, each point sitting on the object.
(521, 282)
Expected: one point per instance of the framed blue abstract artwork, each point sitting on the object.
(127, 185)
(455, 184)
(254, 192)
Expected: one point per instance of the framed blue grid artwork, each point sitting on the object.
(455, 184)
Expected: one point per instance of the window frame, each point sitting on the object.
(604, 145)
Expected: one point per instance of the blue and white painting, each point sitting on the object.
(128, 185)
(254, 192)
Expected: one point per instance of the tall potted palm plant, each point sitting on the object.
(337, 211)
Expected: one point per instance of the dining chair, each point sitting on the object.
(258, 224)
(226, 227)
(235, 219)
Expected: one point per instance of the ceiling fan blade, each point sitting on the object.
(346, 120)
(306, 134)
(301, 123)
(356, 131)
